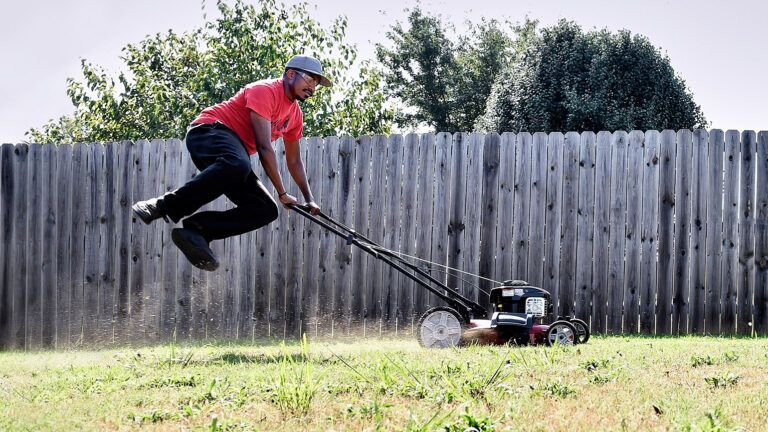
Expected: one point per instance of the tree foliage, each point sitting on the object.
(567, 79)
(442, 83)
(171, 77)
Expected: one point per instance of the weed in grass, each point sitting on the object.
(712, 421)
(600, 379)
(595, 363)
(297, 384)
(730, 357)
(470, 423)
(722, 381)
(154, 416)
(707, 360)
(555, 389)
(184, 381)
(416, 425)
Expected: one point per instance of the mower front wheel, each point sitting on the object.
(561, 333)
(439, 327)
(582, 330)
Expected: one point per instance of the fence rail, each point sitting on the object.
(641, 232)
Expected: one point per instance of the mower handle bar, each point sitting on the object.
(465, 306)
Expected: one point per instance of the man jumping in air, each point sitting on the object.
(220, 141)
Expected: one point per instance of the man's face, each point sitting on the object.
(302, 84)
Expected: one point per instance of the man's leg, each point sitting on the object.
(255, 208)
(223, 163)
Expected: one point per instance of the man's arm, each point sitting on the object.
(263, 133)
(296, 168)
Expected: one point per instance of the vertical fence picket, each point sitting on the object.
(153, 251)
(552, 217)
(569, 223)
(19, 247)
(408, 223)
(294, 280)
(262, 264)
(761, 236)
(699, 200)
(362, 262)
(505, 208)
(649, 233)
(714, 231)
(345, 206)
(667, 155)
(49, 218)
(34, 296)
(537, 205)
(601, 232)
(231, 266)
(328, 288)
(280, 232)
(170, 254)
(392, 202)
(749, 299)
(617, 231)
(456, 224)
(7, 213)
(472, 219)
(729, 278)
(311, 244)
(80, 206)
(216, 328)
(138, 253)
(441, 205)
(378, 211)
(423, 225)
(681, 253)
(634, 178)
(126, 170)
(521, 211)
(64, 183)
(585, 220)
(188, 276)
(90, 244)
(108, 247)
(489, 214)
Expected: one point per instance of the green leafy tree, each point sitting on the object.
(170, 78)
(567, 79)
(441, 82)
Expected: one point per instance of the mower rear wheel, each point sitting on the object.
(582, 330)
(439, 327)
(561, 333)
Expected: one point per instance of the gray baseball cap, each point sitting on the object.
(311, 65)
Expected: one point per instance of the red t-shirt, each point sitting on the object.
(267, 99)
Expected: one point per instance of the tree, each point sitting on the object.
(171, 77)
(442, 83)
(568, 79)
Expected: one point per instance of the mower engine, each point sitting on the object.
(519, 313)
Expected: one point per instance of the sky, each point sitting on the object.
(720, 48)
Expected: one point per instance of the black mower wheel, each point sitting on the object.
(440, 327)
(561, 332)
(582, 330)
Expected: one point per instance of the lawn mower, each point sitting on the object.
(517, 313)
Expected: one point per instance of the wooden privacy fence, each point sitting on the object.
(651, 232)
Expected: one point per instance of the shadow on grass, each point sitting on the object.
(239, 358)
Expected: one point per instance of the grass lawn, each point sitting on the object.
(611, 383)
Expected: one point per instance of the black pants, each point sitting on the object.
(225, 168)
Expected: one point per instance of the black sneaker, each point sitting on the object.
(149, 210)
(195, 247)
